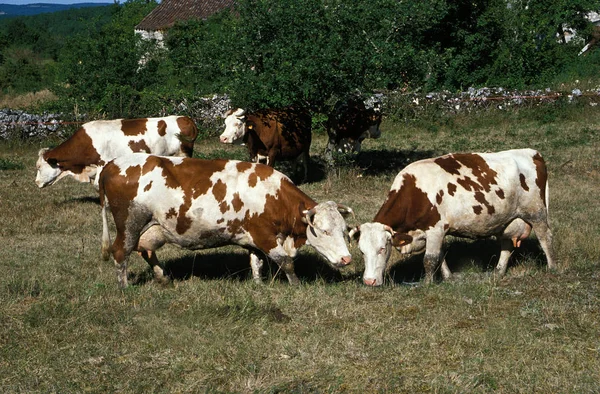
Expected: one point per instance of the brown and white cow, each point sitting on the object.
(97, 142)
(271, 134)
(503, 194)
(200, 204)
(349, 124)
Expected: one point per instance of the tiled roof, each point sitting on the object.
(170, 11)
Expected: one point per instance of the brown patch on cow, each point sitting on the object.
(408, 208)
(237, 202)
(523, 182)
(224, 207)
(187, 134)
(481, 170)
(139, 146)
(219, 190)
(500, 194)
(133, 173)
(171, 213)
(148, 186)
(448, 164)
(541, 179)
(263, 171)
(477, 209)
(75, 154)
(221, 220)
(439, 197)
(281, 216)
(243, 166)
(446, 227)
(150, 164)
(480, 197)
(120, 191)
(252, 179)
(451, 188)
(162, 128)
(132, 127)
(468, 184)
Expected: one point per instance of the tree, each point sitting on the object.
(100, 70)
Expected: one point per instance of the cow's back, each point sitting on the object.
(167, 136)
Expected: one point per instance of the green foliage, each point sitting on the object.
(313, 52)
(29, 46)
(199, 55)
(268, 53)
(99, 70)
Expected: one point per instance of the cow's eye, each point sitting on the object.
(381, 250)
(326, 232)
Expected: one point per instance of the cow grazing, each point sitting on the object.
(200, 204)
(96, 143)
(349, 124)
(271, 134)
(503, 194)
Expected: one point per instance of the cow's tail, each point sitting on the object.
(105, 234)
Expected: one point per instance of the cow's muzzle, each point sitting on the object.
(370, 282)
(344, 261)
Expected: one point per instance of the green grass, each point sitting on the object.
(66, 327)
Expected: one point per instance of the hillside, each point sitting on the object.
(10, 10)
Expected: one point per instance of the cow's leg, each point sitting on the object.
(128, 236)
(329, 151)
(305, 160)
(433, 251)
(544, 236)
(286, 263)
(256, 265)
(151, 240)
(157, 266)
(506, 248)
(446, 273)
(120, 255)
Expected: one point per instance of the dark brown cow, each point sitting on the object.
(200, 204)
(271, 134)
(96, 143)
(349, 124)
(503, 194)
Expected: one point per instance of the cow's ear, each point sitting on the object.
(400, 239)
(52, 162)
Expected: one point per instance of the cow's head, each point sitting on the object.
(235, 122)
(48, 170)
(375, 241)
(326, 231)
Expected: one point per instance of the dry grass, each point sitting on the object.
(26, 100)
(65, 327)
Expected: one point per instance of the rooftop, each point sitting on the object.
(168, 12)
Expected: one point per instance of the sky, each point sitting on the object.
(23, 2)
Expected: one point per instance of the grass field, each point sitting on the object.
(65, 327)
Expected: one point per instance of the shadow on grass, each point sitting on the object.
(81, 200)
(465, 255)
(236, 266)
